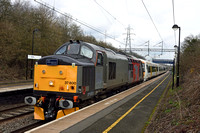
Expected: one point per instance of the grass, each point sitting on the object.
(175, 122)
(168, 111)
(188, 122)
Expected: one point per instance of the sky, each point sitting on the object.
(114, 16)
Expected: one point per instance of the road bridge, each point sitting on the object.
(148, 49)
(163, 61)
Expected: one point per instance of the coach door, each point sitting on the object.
(99, 71)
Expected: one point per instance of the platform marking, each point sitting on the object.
(117, 121)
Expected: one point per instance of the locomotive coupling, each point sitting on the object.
(30, 100)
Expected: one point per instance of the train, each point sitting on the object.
(79, 71)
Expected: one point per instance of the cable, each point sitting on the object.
(152, 20)
(78, 21)
(142, 44)
(109, 13)
(157, 44)
(106, 16)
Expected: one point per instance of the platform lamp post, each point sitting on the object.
(35, 30)
(175, 27)
(173, 73)
(174, 61)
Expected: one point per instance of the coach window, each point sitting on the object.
(153, 69)
(99, 59)
(143, 67)
(130, 66)
(149, 69)
(87, 52)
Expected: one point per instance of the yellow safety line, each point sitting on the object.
(117, 121)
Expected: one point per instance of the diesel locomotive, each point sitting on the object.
(79, 71)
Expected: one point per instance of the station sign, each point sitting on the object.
(34, 57)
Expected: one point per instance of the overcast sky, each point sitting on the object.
(133, 13)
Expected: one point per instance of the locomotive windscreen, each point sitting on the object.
(73, 48)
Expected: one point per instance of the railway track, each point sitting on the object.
(12, 113)
(28, 127)
(18, 119)
(15, 116)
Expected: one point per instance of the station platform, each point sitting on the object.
(15, 87)
(125, 112)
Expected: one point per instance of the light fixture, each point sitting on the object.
(51, 83)
(175, 27)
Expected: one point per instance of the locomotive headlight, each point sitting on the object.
(51, 83)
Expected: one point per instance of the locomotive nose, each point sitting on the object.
(30, 100)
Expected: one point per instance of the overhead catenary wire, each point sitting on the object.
(103, 12)
(157, 44)
(70, 17)
(109, 13)
(142, 43)
(78, 21)
(152, 20)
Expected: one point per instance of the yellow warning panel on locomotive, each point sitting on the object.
(54, 78)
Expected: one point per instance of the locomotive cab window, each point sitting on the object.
(99, 59)
(73, 48)
(61, 50)
(87, 52)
